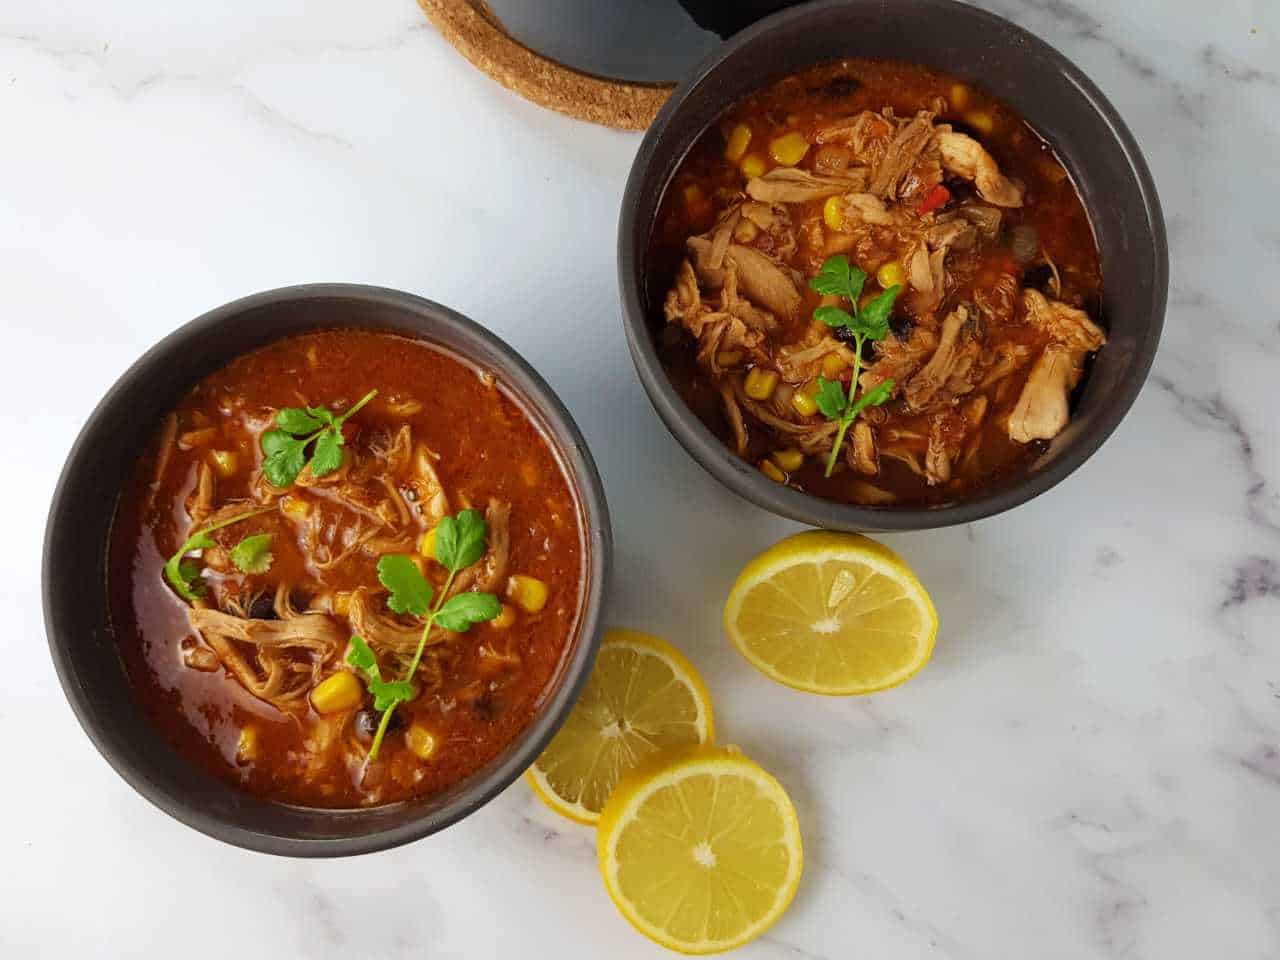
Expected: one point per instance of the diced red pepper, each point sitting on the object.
(933, 199)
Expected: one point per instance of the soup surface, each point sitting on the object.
(253, 674)
(889, 182)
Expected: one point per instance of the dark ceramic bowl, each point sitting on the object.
(1040, 84)
(80, 638)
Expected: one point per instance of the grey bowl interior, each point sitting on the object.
(84, 649)
(1050, 93)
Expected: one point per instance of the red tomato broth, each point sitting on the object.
(492, 678)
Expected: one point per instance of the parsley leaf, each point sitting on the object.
(839, 278)
(386, 693)
(877, 395)
(328, 453)
(869, 321)
(296, 420)
(461, 611)
(253, 553)
(835, 317)
(183, 574)
(830, 398)
(410, 592)
(460, 541)
(285, 457)
(297, 427)
(873, 318)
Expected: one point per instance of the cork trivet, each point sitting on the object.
(478, 36)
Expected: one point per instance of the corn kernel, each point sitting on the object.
(336, 693)
(505, 619)
(729, 358)
(959, 96)
(770, 470)
(296, 508)
(891, 274)
(420, 740)
(527, 593)
(248, 748)
(753, 165)
(224, 461)
(761, 383)
(788, 460)
(693, 195)
(833, 365)
(789, 149)
(803, 399)
(833, 213)
(736, 145)
(427, 545)
(981, 121)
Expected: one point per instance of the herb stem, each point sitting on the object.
(846, 420)
(413, 665)
(357, 405)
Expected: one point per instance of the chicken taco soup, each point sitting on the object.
(876, 283)
(347, 570)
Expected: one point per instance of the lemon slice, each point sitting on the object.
(832, 613)
(643, 700)
(704, 855)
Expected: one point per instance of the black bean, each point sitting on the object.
(367, 721)
(263, 607)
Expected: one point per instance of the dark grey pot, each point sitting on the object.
(80, 638)
(1050, 92)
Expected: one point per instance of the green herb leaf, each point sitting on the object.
(295, 420)
(869, 321)
(184, 575)
(322, 414)
(460, 541)
(835, 317)
(410, 592)
(253, 553)
(285, 449)
(328, 453)
(873, 318)
(461, 611)
(830, 398)
(386, 693)
(839, 278)
(877, 395)
(283, 466)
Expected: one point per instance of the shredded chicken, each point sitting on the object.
(789, 185)
(965, 157)
(286, 656)
(1042, 408)
(924, 386)
(910, 163)
(862, 451)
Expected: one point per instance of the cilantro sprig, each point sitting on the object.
(863, 323)
(298, 427)
(253, 553)
(460, 542)
(183, 573)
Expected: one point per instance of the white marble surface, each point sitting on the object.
(1090, 767)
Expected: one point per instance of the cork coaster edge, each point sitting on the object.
(624, 106)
